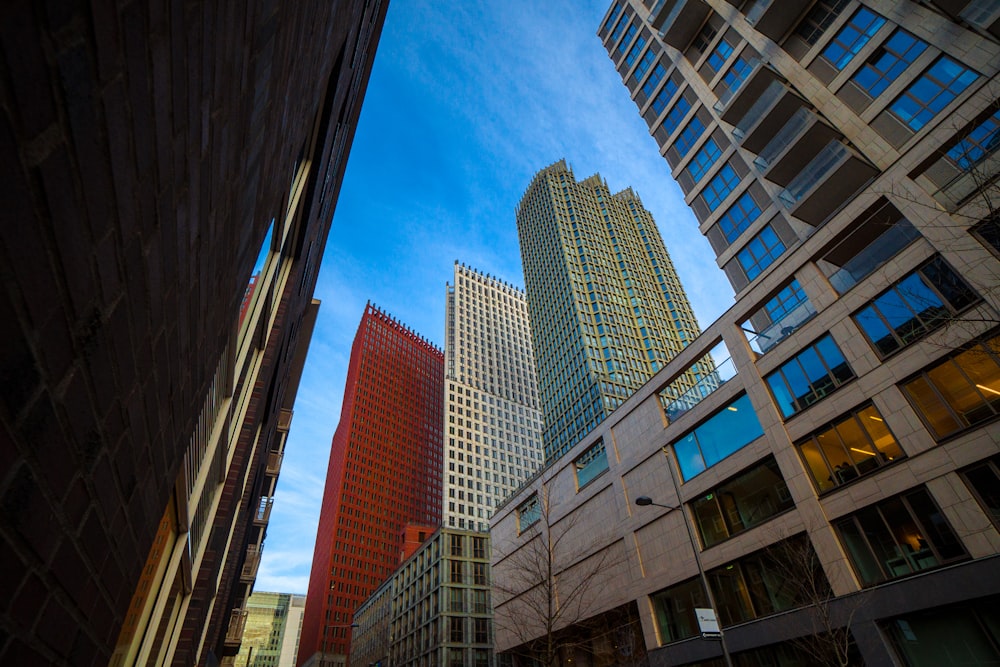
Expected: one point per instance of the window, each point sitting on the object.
(722, 434)
(479, 574)
(664, 96)
(619, 29)
(898, 537)
(779, 318)
(959, 392)
(739, 216)
(984, 480)
(760, 252)
(808, 376)
(480, 601)
(479, 547)
(675, 615)
(615, 12)
(854, 445)
(590, 464)
(703, 160)
(689, 135)
(456, 599)
(980, 142)
(961, 634)
(629, 34)
(719, 55)
(888, 62)
(914, 306)
(988, 232)
(634, 52)
(654, 78)
(932, 92)
(528, 513)
(719, 187)
(456, 545)
(456, 572)
(457, 635)
(850, 39)
(737, 74)
(741, 503)
(819, 18)
(482, 630)
(644, 64)
(676, 114)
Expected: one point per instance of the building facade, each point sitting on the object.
(270, 635)
(492, 423)
(435, 609)
(838, 494)
(147, 391)
(607, 309)
(384, 473)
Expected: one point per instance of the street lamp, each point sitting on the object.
(645, 501)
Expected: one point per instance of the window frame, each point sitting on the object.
(888, 62)
(756, 251)
(917, 117)
(834, 381)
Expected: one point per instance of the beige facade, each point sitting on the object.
(861, 430)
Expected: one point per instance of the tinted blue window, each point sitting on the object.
(725, 432)
(876, 330)
(689, 135)
(615, 11)
(737, 73)
(760, 252)
(654, 78)
(664, 96)
(634, 52)
(888, 62)
(719, 55)
(704, 159)
(674, 116)
(809, 376)
(739, 216)
(853, 37)
(983, 140)
(932, 92)
(785, 301)
(629, 34)
(719, 187)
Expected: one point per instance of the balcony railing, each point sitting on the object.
(762, 342)
(815, 171)
(237, 622)
(727, 95)
(678, 21)
(677, 406)
(874, 255)
(767, 99)
(284, 420)
(799, 120)
(263, 511)
(273, 463)
(250, 565)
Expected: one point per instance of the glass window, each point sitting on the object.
(676, 114)
(739, 216)
(737, 74)
(819, 18)
(725, 432)
(590, 464)
(741, 503)
(888, 62)
(959, 392)
(619, 29)
(704, 159)
(664, 96)
(719, 55)
(808, 376)
(528, 513)
(898, 537)
(760, 252)
(456, 545)
(634, 52)
(852, 446)
(616, 10)
(675, 607)
(629, 34)
(689, 135)
(916, 305)
(984, 480)
(962, 634)
(457, 629)
(932, 92)
(988, 231)
(850, 39)
(719, 187)
(654, 78)
(980, 142)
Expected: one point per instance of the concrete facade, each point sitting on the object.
(876, 428)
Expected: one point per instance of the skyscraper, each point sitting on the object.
(607, 308)
(493, 427)
(384, 473)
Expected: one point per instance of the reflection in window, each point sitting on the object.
(779, 318)
(977, 144)
(725, 432)
(916, 305)
(739, 216)
(988, 231)
(664, 96)
(650, 84)
(850, 39)
(689, 136)
(984, 480)
(959, 392)
(719, 187)
(898, 537)
(528, 513)
(809, 376)
(703, 160)
(965, 634)
(590, 464)
(741, 503)
(769, 581)
(850, 447)
(675, 607)
(932, 92)
(888, 61)
(819, 19)
(760, 252)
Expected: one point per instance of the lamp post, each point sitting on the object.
(645, 501)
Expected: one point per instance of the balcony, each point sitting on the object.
(793, 147)
(773, 18)
(864, 250)
(678, 21)
(273, 464)
(735, 103)
(827, 181)
(237, 622)
(284, 420)
(682, 394)
(764, 341)
(263, 513)
(250, 564)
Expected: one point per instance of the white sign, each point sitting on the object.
(708, 622)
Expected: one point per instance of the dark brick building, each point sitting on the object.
(384, 474)
(151, 152)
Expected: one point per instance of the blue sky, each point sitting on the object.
(467, 100)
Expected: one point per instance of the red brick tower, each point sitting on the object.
(384, 473)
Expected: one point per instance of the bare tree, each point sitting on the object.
(548, 593)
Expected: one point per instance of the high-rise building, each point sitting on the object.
(835, 501)
(384, 473)
(606, 306)
(149, 158)
(271, 632)
(492, 424)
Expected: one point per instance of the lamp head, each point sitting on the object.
(642, 501)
